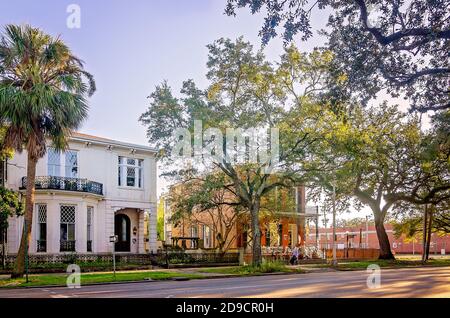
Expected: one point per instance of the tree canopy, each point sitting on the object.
(245, 92)
(400, 46)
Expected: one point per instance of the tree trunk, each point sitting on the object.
(383, 239)
(424, 233)
(256, 248)
(429, 226)
(19, 266)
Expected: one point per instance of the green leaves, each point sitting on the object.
(43, 88)
(10, 205)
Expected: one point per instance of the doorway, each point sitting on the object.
(122, 226)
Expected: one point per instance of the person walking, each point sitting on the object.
(294, 258)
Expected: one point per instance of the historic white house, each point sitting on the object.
(96, 189)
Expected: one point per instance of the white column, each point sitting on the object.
(81, 228)
(53, 227)
(110, 213)
(141, 238)
(152, 228)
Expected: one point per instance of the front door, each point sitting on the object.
(122, 230)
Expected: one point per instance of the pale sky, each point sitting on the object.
(131, 46)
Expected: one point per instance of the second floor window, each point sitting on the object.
(71, 164)
(53, 162)
(56, 158)
(130, 172)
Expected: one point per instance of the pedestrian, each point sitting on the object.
(294, 257)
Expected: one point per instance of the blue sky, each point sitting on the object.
(131, 46)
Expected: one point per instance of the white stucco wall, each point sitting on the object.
(96, 162)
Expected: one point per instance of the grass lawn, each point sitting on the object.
(389, 263)
(252, 270)
(89, 278)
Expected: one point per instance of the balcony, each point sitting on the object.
(66, 184)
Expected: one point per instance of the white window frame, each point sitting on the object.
(138, 166)
(89, 223)
(207, 238)
(67, 224)
(65, 161)
(62, 163)
(38, 221)
(194, 230)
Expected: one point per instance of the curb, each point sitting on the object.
(180, 278)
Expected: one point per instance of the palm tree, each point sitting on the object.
(43, 90)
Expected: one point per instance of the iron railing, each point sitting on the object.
(65, 183)
(41, 246)
(66, 246)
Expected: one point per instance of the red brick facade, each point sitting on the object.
(355, 239)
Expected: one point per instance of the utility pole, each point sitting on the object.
(317, 228)
(325, 222)
(334, 261)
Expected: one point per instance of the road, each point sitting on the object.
(406, 282)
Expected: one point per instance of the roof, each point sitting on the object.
(106, 141)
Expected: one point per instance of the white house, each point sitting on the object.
(96, 189)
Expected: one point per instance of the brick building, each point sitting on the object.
(355, 237)
(281, 229)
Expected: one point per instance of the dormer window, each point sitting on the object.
(130, 172)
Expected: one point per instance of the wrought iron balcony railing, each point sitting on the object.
(66, 246)
(41, 246)
(67, 184)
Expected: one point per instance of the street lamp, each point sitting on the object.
(334, 261)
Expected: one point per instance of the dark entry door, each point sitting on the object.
(122, 230)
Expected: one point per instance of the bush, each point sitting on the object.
(265, 267)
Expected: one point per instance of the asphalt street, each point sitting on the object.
(406, 282)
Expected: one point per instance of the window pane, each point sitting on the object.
(53, 162)
(42, 232)
(140, 177)
(67, 214)
(63, 232)
(71, 164)
(131, 162)
(131, 177)
(71, 232)
(89, 221)
(120, 175)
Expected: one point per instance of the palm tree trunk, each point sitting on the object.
(19, 267)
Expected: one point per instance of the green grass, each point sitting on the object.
(89, 278)
(266, 267)
(399, 263)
